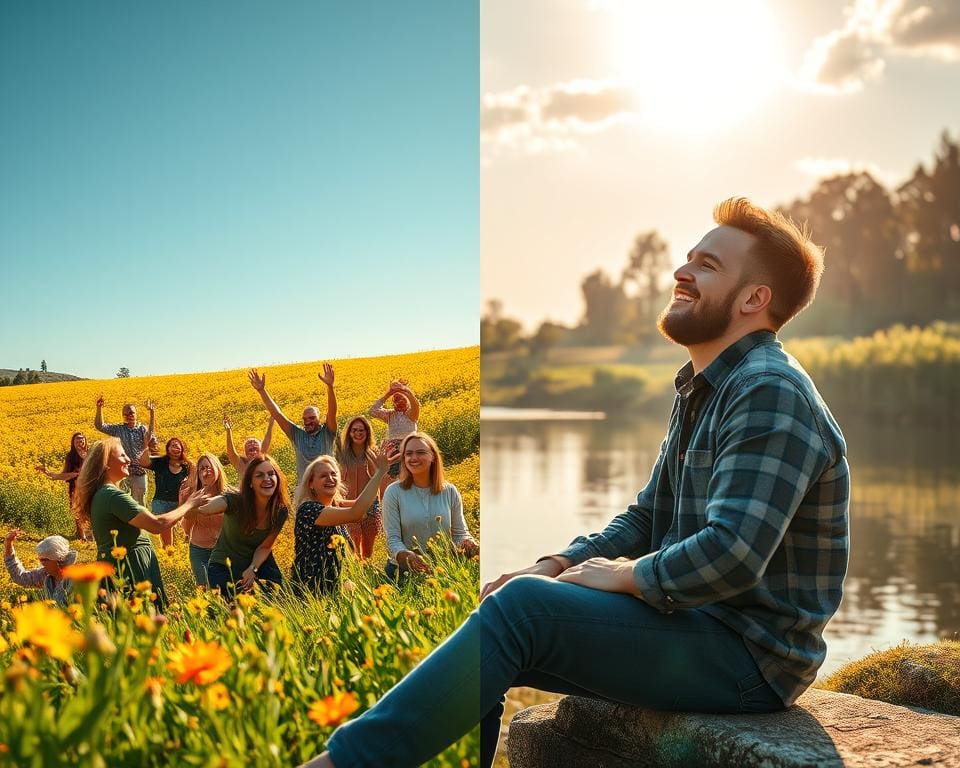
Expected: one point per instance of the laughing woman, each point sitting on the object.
(71, 468)
(356, 454)
(169, 471)
(202, 530)
(111, 512)
(321, 511)
(420, 506)
(252, 520)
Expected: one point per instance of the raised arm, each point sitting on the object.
(377, 411)
(231, 448)
(65, 476)
(327, 378)
(259, 383)
(150, 430)
(268, 436)
(414, 411)
(152, 523)
(18, 574)
(98, 418)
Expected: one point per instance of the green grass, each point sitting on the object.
(909, 675)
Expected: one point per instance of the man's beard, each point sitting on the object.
(699, 323)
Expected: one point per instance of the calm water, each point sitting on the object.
(547, 480)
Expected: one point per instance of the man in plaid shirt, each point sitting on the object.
(712, 591)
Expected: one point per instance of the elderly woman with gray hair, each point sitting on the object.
(54, 554)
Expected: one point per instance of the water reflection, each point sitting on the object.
(545, 482)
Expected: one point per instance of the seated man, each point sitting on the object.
(710, 593)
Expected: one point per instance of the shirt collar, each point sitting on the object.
(714, 374)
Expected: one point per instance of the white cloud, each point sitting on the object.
(826, 167)
(846, 59)
(551, 118)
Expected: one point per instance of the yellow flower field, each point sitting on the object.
(96, 687)
(36, 421)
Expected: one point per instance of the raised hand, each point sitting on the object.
(100, 401)
(327, 376)
(258, 382)
(11, 535)
(150, 406)
(41, 468)
(227, 422)
(381, 459)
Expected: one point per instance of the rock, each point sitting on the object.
(823, 730)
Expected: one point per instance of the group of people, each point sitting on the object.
(346, 485)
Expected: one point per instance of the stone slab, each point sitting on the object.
(822, 730)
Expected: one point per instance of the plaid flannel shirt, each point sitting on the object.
(749, 522)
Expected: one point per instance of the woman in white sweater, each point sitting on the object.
(421, 505)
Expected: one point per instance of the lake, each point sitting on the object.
(547, 478)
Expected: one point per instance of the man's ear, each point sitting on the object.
(757, 300)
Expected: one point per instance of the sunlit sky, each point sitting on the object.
(604, 118)
(204, 185)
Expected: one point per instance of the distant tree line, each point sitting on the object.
(23, 377)
(891, 256)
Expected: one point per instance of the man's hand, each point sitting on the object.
(12, 535)
(100, 401)
(603, 574)
(150, 406)
(327, 376)
(227, 422)
(258, 382)
(551, 567)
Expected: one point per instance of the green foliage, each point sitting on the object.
(901, 374)
(123, 373)
(925, 676)
(117, 702)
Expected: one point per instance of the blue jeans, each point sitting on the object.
(558, 637)
(199, 557)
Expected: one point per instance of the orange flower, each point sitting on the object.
(201, 662)
(154, 685)
(383, 590)
(451, 597)
(333, 710)
(118, 552)
(93, 571)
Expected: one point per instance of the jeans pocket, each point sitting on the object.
(756, 695)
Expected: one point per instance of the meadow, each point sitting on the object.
(263, 682)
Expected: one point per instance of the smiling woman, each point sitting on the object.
(696, 65)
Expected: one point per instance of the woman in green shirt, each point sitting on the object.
(99, 502)
(252, 520)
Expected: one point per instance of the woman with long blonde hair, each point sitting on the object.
(99, 502)
(322, 510)
(202, 530)
(356, 454)
(421, 505)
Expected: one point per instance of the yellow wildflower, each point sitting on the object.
(48, 629)
(118, 552)
(217, 696)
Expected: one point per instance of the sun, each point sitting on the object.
(697, 65)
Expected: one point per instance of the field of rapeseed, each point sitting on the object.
(264, 682)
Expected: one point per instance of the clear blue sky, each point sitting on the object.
(196, 186)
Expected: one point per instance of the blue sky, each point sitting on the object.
(199, 186)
